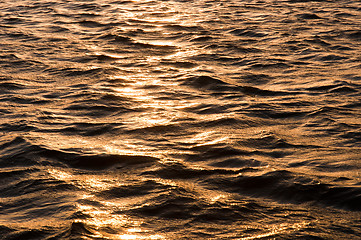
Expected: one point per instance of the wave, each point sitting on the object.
(289, 187)
(22, 152)
(214, 84)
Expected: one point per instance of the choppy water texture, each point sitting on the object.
(180, 119)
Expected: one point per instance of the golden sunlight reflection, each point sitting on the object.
(95, 146)
(274, 230)
(129, 92)
(104, 215)
(166, 43)
(123, 227)
(217, 198)
(207, 138)
(162, 111)
(88, 182)
(127, 148)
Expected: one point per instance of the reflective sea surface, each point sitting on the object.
(150, 119)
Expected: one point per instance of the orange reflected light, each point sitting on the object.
(105, 216)
(162, 113)
(277, 229)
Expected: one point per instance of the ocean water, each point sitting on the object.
(150, 119)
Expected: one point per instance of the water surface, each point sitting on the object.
(180, 119)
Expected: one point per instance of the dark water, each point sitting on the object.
(180, 119)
